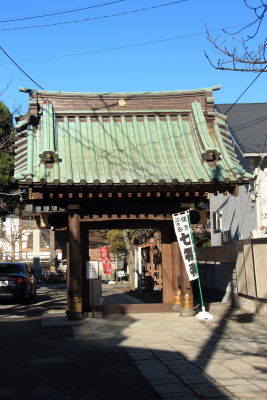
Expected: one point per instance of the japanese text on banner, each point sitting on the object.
(182, 230)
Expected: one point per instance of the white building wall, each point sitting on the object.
(238, 215)
(261, 200)
(10, 237)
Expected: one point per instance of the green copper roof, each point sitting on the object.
(120, 146)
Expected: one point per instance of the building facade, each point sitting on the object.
(243, 214)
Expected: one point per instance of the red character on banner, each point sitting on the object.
(104, 254)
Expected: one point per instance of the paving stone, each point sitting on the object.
(188, 379)
(246, 387)
(161, 376)
(179, 362)
(151, 363)
(210, 392)
(252, 395)
(229, 397)
(188, 353)
(169, 388)
(206, 384)
(188, 370)
(166, 380)
(181, 395)
(232, 381)
(261, 383)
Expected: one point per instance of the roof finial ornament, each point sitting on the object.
(25, 90)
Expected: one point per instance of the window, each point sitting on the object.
(224, 238)
(217, 221)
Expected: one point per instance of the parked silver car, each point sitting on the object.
(17, 281)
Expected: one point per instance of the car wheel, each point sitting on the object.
(34, 293)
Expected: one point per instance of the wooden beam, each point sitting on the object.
(113, 218)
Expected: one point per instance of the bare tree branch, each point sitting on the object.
(241, 59)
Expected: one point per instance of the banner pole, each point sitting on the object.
(204, 314)
(196, 263)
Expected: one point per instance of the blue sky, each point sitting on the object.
(177, 64)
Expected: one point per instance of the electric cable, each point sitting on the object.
(14, 62)
(245, 90)
(240, 142)
(59, 12)
(126, 46)
(94, 18)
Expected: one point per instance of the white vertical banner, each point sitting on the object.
(182, 230)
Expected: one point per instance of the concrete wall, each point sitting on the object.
(235, 274)
(218, 281)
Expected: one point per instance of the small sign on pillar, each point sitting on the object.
(92, 270)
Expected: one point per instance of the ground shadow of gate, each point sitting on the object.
(179, 369)
(180, 357)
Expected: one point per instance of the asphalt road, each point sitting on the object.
(48, 363)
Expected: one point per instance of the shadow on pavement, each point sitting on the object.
(92, 361)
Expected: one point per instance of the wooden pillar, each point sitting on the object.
(166, 253)
(74, 269)
(52, 250)
(176, 275)
(85, 257)
(36, 254)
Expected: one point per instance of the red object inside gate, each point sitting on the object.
(104, 254)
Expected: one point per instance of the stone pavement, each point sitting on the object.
(183, 357)
(112, 294)
(180, 357)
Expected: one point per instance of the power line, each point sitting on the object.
(94, 18)
(126, 46)
(59, 12)
(1, 48)
(245, 90)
